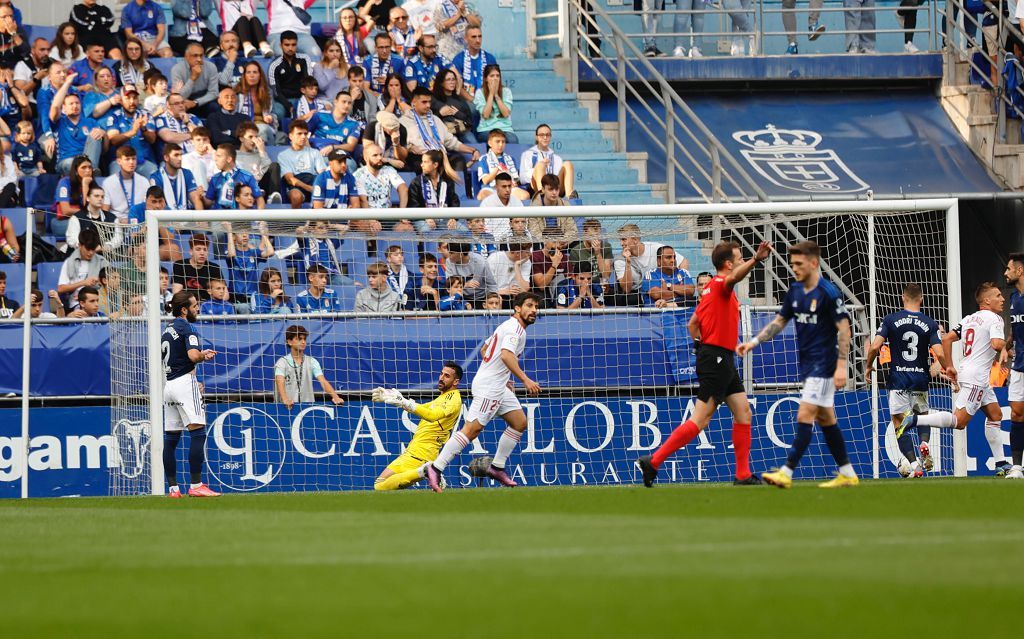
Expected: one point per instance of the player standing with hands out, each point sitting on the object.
(984, 338)
(715, 328)
(493, 394)
(183, 398)
(823, 336)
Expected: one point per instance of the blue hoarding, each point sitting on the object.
(582, 440)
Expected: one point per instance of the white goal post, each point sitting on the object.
(882, 236)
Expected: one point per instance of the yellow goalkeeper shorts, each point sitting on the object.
(405, 462)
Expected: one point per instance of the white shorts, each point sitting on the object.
(900, 401)
(1016, 390)
(183, 403)
(972, 397)
(819, 391)
(483, 409)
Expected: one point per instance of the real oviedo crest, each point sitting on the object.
(790, 158)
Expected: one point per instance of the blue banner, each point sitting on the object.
(571, 441)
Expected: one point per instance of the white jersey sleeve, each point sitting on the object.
(976, 334)
(493, 375)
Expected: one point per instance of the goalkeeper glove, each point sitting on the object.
(393, 397)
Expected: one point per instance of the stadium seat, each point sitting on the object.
(18, 220)
(15, 281)
(34, 31)
(409, 246)
(40, 192)
(346, 296)
(292, 290)
(47, 276)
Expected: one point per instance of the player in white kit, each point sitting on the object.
(493, 395)
(983, 337)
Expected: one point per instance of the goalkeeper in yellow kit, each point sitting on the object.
(437, 419)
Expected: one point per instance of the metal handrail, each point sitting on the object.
(690, 148)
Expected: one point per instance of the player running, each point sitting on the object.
(911, 335)
(437, 419)
(183, 398)
(821, 318)
(1015, 278)
(493, 394)
(715, 328)
(983, 337)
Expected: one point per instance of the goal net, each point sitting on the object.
(617, 369)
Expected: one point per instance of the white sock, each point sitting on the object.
(786, 470)
(994, 435)
(196, 485)
(846, 470)
(506, 444)
(916, 465)
(937, 420)
(451, 449)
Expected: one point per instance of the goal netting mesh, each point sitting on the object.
(617, 371)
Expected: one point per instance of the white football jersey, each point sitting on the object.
(976, 333)
(493, 375)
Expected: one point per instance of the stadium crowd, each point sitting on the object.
(389, 110)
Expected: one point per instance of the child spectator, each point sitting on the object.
(156, 93)
(317, 248)
(269, 296)
(317, 298)
(36, 305)
(398, 275)
(8, 307)
(95, 217)
(125, 188)
(540, 160)
(294, 373)
(703, 279)
(308, 104)
(593, 250)
(252, 157)
(200, 159)
(492, 302)
(300, 164)
(378, 297)
(165, 291)
(26, 153)
(454, 300)
(218, 304)
(421, 293)
(244, 259)
(82, 268)
(65, 47)
(480, 240)
(493, 164)
(110, 292)
(579, 290)
(195, 273)
(87, 304)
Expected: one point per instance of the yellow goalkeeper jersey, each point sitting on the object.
(437, 419)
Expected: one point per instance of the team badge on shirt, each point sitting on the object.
(814, 305)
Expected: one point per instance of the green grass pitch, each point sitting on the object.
(893, 559)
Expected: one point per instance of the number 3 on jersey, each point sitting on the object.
(968, 342)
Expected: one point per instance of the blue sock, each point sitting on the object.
(196, 453)
(171, 440)
(800, 443)
(906, 445)
(1017, 441)
(836, 444)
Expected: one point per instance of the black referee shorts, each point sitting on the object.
(716, 373)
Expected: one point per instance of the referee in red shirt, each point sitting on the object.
(715, 328)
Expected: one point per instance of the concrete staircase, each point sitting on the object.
(972, 109)
(604, 174)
